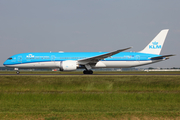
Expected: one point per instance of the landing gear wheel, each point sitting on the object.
(85, 71)
(17, 72)
(88, 72)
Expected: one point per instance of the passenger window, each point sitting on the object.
(9, 58)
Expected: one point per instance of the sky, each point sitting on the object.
(88, 26)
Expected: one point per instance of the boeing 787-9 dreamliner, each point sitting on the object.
(70, 61)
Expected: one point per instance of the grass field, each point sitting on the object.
(90, 97)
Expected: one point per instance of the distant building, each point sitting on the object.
(162, 70)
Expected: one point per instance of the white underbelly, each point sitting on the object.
(120, 64)
(50, 64)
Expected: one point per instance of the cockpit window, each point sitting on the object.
(9, 58)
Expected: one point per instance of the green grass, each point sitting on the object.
(90, 97)
(90, 102)
(89, 83)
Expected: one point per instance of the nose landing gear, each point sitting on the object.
(17, 72)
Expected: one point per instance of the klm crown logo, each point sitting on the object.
(30, 56)
(154, 45)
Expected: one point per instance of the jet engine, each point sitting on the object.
(68, 65)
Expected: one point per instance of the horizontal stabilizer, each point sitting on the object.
(161, 57)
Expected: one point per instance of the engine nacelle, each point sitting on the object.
(68, 65)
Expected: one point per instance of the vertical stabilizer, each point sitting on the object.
(155, 46)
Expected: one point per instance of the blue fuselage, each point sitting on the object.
(29, 58)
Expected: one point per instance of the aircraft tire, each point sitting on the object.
(88, 72)
(17, 72)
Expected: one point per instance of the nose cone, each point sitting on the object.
(9, 62)
(5, 63)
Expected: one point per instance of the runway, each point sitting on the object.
(88, 74)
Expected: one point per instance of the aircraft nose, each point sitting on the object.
(5, 63)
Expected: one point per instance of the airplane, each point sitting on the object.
(71, 61)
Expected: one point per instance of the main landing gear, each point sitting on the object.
(88, 69)
(88, 72)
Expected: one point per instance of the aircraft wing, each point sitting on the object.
(100, 57)
(161, 57)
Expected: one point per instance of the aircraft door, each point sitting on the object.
(53, 58)
(137, 58)
(19, 59)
